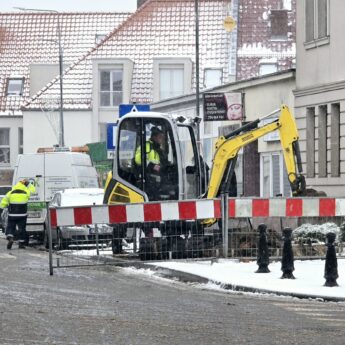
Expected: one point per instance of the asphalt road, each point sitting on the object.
(110, 305)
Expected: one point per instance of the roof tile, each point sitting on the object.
(27, 38)
(158, 28)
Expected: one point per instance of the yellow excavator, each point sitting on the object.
(183, 173)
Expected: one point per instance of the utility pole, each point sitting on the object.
(197, 61)
(61, 122)
(197, 90)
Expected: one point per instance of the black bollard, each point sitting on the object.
(263, 259)
(287, 256)
(331, 264)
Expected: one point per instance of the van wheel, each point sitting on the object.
(62, 243)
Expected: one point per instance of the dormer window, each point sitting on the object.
(212, 77)
(172, 77)
(279, 24)
(267, 68)
(111, 87)
(99, 38)
(15, 86)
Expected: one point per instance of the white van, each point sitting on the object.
(54, 171)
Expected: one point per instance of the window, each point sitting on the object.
(267, 68)
(112, 80)
(15, 86)
(279, 24)
(274, 179)
(4, 146)
(111, 90)
(20, 140)
(239, 173)
(99, 38)
(103, 132)
(172, 77)
(137, 166)
(212, 78)
(293, 63)
(272, 136)
(287, 5)
(316, 19)
(170, 81)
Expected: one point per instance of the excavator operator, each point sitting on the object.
(154, 152)
(156, 160)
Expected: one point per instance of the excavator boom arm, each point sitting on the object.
(228, 148)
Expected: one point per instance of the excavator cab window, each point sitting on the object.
(128, 137)
(153, 170)
(195, 171)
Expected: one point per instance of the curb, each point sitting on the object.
(192, 278)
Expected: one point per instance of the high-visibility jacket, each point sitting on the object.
(152, 155)
(17, 199)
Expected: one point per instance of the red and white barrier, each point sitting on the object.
(197, 209)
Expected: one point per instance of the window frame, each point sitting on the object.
(220, 70)
(108, 64)
(282, 174)
(20, 140)
(111, 90)
(13, 79)
(173, 91)
(275, 37)
(100, 37)
(316, 40)
(261, 64)
(8, 146)
(186, 63)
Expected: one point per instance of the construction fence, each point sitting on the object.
(191, 229)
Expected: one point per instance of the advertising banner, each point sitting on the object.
(222, 106)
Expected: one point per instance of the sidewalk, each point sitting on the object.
(241, 276)
(234, 275)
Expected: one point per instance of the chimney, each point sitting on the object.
(140, 2)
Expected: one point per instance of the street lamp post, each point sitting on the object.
(61, 132)
(197, 85)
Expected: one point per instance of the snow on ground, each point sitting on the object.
(308, 273)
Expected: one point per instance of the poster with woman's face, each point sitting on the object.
(234, 106)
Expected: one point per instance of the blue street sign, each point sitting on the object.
(130, 108)
(111, 136)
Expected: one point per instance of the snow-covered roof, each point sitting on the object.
(158, 28)
(27, 38)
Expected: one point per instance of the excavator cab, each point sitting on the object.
(147, 170)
